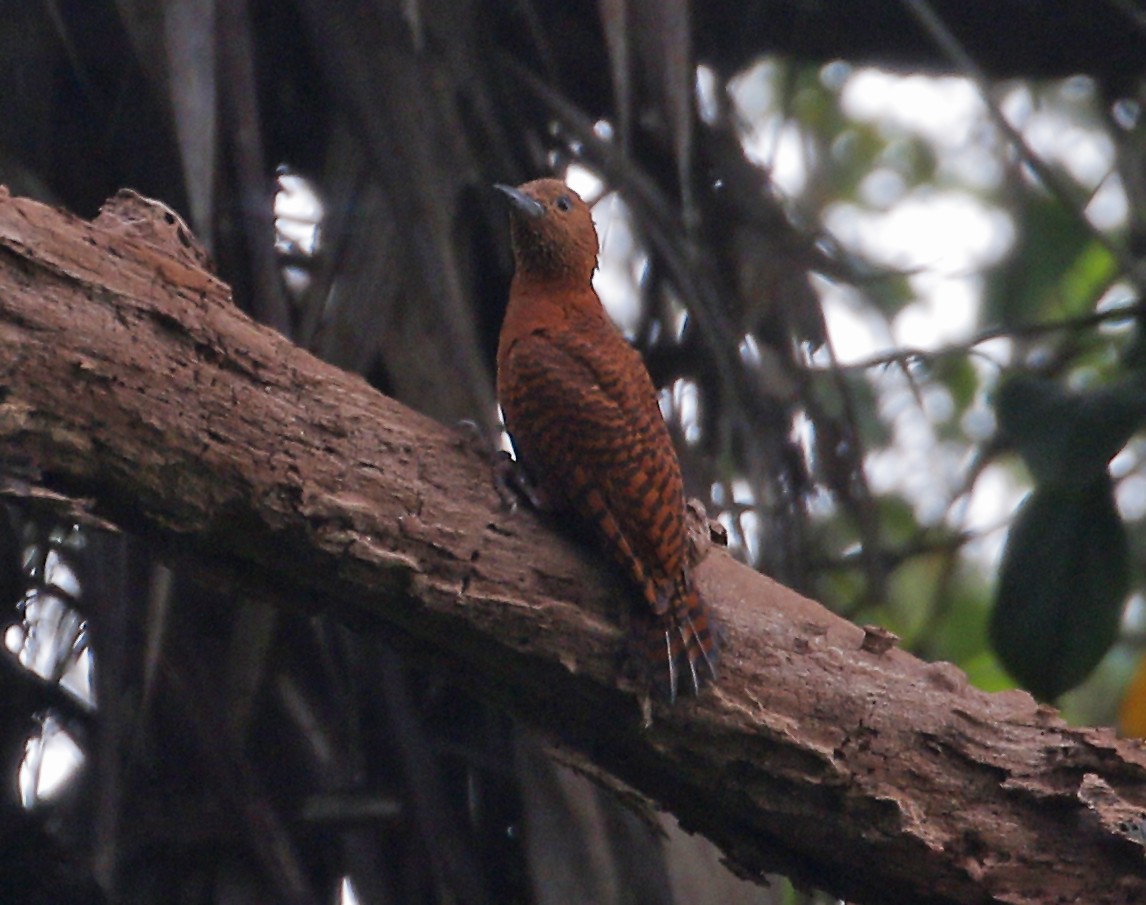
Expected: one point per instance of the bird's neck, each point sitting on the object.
(536, 304)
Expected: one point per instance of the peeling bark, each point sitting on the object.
(130, 381)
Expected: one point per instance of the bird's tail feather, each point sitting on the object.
(681, 645)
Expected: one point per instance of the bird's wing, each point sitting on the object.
(583, 415)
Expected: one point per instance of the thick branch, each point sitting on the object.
(130, 379)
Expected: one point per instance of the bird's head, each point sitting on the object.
(552, 230)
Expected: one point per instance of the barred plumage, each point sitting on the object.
(583, 414)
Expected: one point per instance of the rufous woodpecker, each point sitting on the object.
(582, 412)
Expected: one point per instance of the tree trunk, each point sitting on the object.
(131, 388)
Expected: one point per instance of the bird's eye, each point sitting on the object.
(564, 204)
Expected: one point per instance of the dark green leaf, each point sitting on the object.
(1064, 577)
(1069, 438)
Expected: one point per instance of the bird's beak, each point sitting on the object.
(521, 201)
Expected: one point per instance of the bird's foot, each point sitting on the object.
(513, 483)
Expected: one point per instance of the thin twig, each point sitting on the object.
(905, 356)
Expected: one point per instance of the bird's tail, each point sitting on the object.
(681, 644)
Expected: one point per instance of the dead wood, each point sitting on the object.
(130, 383)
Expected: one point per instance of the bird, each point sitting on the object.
(582, 414)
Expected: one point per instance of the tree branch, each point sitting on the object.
(128, 378)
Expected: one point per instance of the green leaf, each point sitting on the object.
(1087, 277)
(1030, 285)
(1062, 585)
(959, 376)
(1069, 438)
(960, 635)
(985, 673)
(909, 587)
(898, 524)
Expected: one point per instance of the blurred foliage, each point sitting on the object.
(880, 327)
(1048, 351)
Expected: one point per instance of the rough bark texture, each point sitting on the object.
(128, 378)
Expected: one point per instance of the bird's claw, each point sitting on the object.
(513, 484)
